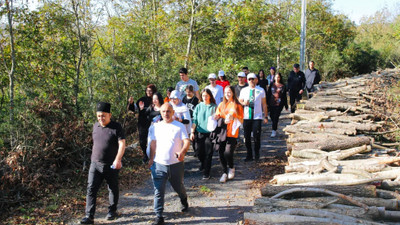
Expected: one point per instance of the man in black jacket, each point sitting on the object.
(312, 77)
(296, 84)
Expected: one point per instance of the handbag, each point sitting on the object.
(211, 123)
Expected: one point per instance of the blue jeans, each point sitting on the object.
(160, 174)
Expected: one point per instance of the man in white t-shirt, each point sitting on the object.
(184, 82)
(253, 98)
(216, 90)
(168, 147)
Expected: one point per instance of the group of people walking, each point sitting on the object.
(211, 118)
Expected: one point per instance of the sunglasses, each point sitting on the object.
(250, 79)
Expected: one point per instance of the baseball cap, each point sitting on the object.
(251, 75)
(175, 94)
(241, 74)
(212, 76)
(221, 73)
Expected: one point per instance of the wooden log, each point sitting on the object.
(262, 205)
(387, 194)
(318, 154)
(331, 145)
(320, 179)
(357, 190)
(301, 168)
(389, 204)
(277, 218)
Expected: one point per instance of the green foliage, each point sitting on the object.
(360, 58)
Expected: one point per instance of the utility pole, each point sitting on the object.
(303, 34)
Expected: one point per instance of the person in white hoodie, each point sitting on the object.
(182, 113)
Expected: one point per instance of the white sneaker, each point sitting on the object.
(223, 178)
(231, 173)
(273, 133)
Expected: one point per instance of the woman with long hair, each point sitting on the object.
(204, 146)
(276, 100)
(262, 80)
(231, 111)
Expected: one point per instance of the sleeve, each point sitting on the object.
(218, 112)
(184, 134)
(195, 86)
(195, 112)
(151, 133)
(242, 94)
(120, 132)
(317, 77)
(303, 81)
(239, 113)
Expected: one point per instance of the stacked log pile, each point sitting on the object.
(337, 172)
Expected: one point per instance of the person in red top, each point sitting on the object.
(231, 111)
(169, 90)
(222, 79)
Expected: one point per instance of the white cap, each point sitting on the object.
(241, 74)
(175, 94)
(221, 73)
(212, 76)
(251, 75)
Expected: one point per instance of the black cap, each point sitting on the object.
(296, 65)
(103, 107)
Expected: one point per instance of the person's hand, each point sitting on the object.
(180, 156)
(117, 164)
(265, 120)
(216, 117)
(246, 102)
(130, 100)
(192, 136)
(150, 163)
(301, 91)
(141, 105)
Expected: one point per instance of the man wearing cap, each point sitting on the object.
(216, 90)
(312, 77)
(223, 82)
(296, 84)
(271, 76)
(253, 99)
(168, 147)
(241, 83)
(107, 151)
(185, 81)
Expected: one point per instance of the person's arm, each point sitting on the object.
(192, 130)
(153, 146)
(265, 109)
(317, 77)
(284, 97)
(185, 147)
(121, 150)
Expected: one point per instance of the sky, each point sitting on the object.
(356, 9)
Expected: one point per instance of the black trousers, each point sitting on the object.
(205, 150)
(255, 127)
(225, 151)
(274, 113)
(294, 97)
(143, 133)
(97, 173)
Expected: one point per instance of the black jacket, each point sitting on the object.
(296, 82)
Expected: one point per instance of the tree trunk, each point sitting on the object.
(9, 5)
(191, 32)
(75, 6)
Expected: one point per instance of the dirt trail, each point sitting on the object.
(210, 202)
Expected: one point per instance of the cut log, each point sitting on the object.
(331, 145)
(318, 154)
(276, 218)
(271, 205)
(345, 179)
(301, 168)
(389, 204)
(358, 190)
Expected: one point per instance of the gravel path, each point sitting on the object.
(210, 202)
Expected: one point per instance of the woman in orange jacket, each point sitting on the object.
(232, 112)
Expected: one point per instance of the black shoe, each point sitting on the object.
(159, 221)
(248, 159)
(87, 220)
(111, 215)
(185, 205)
